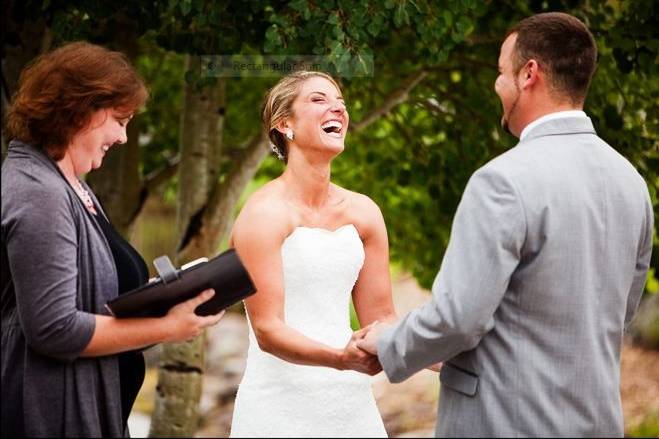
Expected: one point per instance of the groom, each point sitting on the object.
(547, 260)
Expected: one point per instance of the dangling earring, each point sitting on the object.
(289, 134)
(278, 153)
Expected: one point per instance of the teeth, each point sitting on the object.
(106, 147)
(332, 124)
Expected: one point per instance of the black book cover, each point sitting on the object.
(224, 273)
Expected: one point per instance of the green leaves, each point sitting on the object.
(415, 159)
(186, 7)
(273, 39)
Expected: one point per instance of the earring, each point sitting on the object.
(289, 134)
(278, 153)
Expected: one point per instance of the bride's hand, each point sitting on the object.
(356, 359)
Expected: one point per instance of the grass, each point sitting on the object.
(649, 426)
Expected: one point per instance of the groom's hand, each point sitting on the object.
(369, 342)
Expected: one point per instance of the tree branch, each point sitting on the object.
(398, 96)
(216, 214)
(157, 178)
(240, 175)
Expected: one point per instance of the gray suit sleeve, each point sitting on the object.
(642, 263)
(42, 251)
(486, 238)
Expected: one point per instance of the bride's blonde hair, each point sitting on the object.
(278, 105)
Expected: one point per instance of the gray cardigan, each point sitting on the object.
(57, 272)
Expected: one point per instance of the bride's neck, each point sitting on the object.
(308, 182)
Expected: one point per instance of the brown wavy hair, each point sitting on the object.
(58, 92)
(563, 46)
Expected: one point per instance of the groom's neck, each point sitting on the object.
(534, 106)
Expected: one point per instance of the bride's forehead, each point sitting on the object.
(320, 85)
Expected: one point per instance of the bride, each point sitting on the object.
(309, 245)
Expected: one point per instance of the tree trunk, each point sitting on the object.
(196, 152)
(179, 389)
(181, 367)
(118, 183)
(214, 221)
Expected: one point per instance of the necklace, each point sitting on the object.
(84, 196)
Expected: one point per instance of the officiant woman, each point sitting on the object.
(68, 368)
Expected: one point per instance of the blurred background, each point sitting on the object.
(418, 80)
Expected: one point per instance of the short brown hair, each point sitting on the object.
(278, 105)
(563, 46)
(58, 92)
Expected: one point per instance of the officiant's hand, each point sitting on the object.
(357, 359)
(182, 322)
(437, 367)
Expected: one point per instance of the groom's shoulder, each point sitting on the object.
(503, 164)
(515, 162)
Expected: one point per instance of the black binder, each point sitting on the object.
(224, 273)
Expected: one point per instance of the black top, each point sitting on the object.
(132, 272)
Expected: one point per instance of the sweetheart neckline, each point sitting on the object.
(322, 229)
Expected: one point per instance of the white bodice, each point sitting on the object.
(320, 268)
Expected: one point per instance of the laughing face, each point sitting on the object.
(88, 147)
(320, 119)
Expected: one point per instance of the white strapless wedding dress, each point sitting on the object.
(281, 399)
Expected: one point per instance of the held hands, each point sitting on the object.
(182, 322)
(357, 359)
(369, 342)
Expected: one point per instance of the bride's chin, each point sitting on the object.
(335, 147)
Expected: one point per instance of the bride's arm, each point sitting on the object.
(372, 295)
(372, 292)
(257, 236)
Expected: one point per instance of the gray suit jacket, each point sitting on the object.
(547, 260)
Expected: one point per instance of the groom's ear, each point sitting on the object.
(530, 73)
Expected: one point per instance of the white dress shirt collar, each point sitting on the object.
(550, 116)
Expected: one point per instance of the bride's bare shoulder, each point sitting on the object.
(362, 211)
(358, 202)
(265, 211)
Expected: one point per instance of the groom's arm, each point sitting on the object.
(486, 239)
(642, 263)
